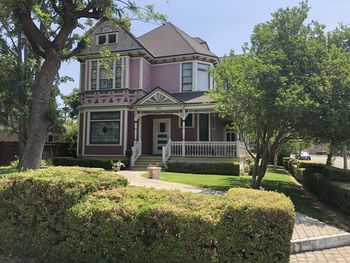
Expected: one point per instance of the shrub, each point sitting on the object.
(336, 174)
(55, 217)
(311, 166)
(335, 193)
(204, 167)
(34, 205)
(261, 233)
(69, 161)
(285, 162)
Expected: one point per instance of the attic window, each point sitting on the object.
(107, 38)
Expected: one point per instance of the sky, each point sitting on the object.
(224, 24)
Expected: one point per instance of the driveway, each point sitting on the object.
(338, 162)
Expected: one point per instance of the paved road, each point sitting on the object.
(338, 162)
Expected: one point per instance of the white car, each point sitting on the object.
(304, 156)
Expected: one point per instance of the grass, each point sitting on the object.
(275, 180)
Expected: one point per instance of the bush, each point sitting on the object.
(285, 162)
(53, 216)
(335, 193)
(336, 174)
(34, 206)
(261, 233)
(204, 167)
(69, 161)
(311, 166)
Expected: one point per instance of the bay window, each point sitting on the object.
(203, 77)
(187, 76)
(104, 127)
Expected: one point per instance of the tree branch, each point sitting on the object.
(76, 51)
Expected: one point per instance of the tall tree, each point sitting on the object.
(50, 28)
(268, 91)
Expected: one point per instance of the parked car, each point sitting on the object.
(303, 156)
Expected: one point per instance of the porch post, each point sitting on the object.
(140, 129)
(135, 131)
(183, 137)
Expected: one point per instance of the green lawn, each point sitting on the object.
(276, 180)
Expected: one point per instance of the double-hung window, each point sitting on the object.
(203, 77)
(107, 38)
(105, 127)
(187, 73)
(113, 77)
(188, 121)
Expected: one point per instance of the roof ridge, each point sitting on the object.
(179, 31)
(152, 30)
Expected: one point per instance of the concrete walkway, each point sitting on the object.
(309, 234)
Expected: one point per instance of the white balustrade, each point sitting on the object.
(136, 152)
(204, 149)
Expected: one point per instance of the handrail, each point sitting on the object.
(166, 152)
(136, 152)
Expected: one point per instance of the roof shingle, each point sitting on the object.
(169, 40)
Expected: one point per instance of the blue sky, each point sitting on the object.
(224, 24)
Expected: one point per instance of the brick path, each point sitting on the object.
(334, 255)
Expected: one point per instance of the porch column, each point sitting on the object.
(140, 129)
(183, 136)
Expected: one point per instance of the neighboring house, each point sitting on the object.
(155, 103)
(9, 148)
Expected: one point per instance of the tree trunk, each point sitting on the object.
(330, 155)
(39, 117)
(345, 156)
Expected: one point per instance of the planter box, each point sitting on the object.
(154, 172)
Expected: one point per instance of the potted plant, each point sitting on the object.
(118, 165)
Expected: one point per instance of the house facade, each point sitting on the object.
(152, 100)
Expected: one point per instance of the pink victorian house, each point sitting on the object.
(154, 103)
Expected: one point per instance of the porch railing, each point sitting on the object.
(136, 152)
(205, 149)
(166, 152)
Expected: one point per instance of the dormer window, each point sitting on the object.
(107, 38)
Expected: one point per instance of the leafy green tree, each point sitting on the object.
(269, 90)
(51, 30)
(71, 102)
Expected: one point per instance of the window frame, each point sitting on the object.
(106, 36)
(182, 76)
(124, 82)
(187, 127)
(209, 75)
(229, 130)
(88, 133)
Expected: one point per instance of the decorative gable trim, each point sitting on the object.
(158, 96)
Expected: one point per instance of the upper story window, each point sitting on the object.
(107, 39)
(115, 77)
(195, 76)
(187, 76)
(203, 77)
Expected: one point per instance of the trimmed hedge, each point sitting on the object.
(335, 193)
(34, 206)
(336, 174)
(204, 167)
(73, 216)
(93, 163)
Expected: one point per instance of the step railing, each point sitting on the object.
(136, 152)
(166, 152)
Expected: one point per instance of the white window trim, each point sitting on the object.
(193, 121)
(124, 75)
(88, 128)
(106, 34)
(213, 121)
(194, 74)
(229, 130)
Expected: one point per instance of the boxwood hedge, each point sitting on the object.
(223, 168)
(88, 215)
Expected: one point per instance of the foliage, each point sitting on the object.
(268, 91)
(70, 136)
(34, 206)
(71, 102)
(77, 217)
(204, 167)
(334, 192)
(69, 161)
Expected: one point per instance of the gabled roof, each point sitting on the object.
(193, 97)
(158, 96)
(169, 40)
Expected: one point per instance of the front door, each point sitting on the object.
(161, 134)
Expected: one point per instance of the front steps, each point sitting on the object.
(145, 160)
